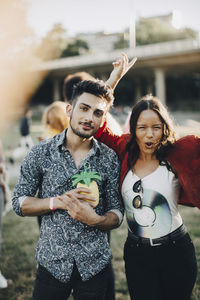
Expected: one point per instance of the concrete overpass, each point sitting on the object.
(155, 63)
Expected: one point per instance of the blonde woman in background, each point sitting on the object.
(54, 119)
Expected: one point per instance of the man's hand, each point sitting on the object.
(83, 212)
(33, 206)
(74, 202)
(81, 194)
(121, 67)
(78, 208)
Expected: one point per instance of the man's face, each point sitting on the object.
(88, 115)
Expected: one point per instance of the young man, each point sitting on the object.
(73, 251)
(69, 82)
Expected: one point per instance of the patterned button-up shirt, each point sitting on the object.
(47, 171)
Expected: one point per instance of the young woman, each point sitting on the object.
(157, 174)
(54, 119)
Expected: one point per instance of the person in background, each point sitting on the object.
(158, 172)
(3, 201)
(73, 251)
(69, 82)
(26, 140)
(54, 119)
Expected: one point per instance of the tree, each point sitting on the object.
(154, 30)
(53, 43)
(149, 31)
(77, 47)
(121, 43)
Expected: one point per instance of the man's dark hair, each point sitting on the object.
(95, 87)
(71, 80)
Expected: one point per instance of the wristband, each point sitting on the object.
(51, 203)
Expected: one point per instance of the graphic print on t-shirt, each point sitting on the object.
(153, 219)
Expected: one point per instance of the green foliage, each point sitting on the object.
(149, 31)
(56, 44)
(122, 43)
(154, 30)
(53, 43)
(85, 177)
(75, 48)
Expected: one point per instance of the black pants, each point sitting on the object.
(166, 272)
(110, 290)
(49, 288)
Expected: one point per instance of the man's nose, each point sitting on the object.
(89, 116)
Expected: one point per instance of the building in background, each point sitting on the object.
(169, 70)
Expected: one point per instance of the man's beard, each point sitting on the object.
(82, 134)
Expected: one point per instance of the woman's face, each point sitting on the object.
(149, 131)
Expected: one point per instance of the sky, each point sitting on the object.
(105, 15)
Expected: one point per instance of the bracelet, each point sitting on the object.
(51, 203)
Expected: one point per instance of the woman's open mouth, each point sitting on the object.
(149, 145)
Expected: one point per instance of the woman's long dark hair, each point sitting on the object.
(168, 138)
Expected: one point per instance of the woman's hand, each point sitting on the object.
(121, 67)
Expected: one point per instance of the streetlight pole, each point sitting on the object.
(132, 29)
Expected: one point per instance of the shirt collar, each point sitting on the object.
(60, 138)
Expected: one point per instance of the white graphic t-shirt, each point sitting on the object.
(158, 214)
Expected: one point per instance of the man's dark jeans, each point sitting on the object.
(49, 288)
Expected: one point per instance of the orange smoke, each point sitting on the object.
(17, 48)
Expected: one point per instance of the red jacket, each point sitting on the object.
(184, 157)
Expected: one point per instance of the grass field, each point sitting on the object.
(20, 236)
(18, 263)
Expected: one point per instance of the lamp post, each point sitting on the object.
(132, 30)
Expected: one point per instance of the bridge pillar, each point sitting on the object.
(149, 86)
(56, 91)
(138, 93)
(160, 84)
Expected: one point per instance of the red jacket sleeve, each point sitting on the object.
(117, 143)
(185, 159)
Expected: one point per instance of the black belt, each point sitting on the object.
(173, 236)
